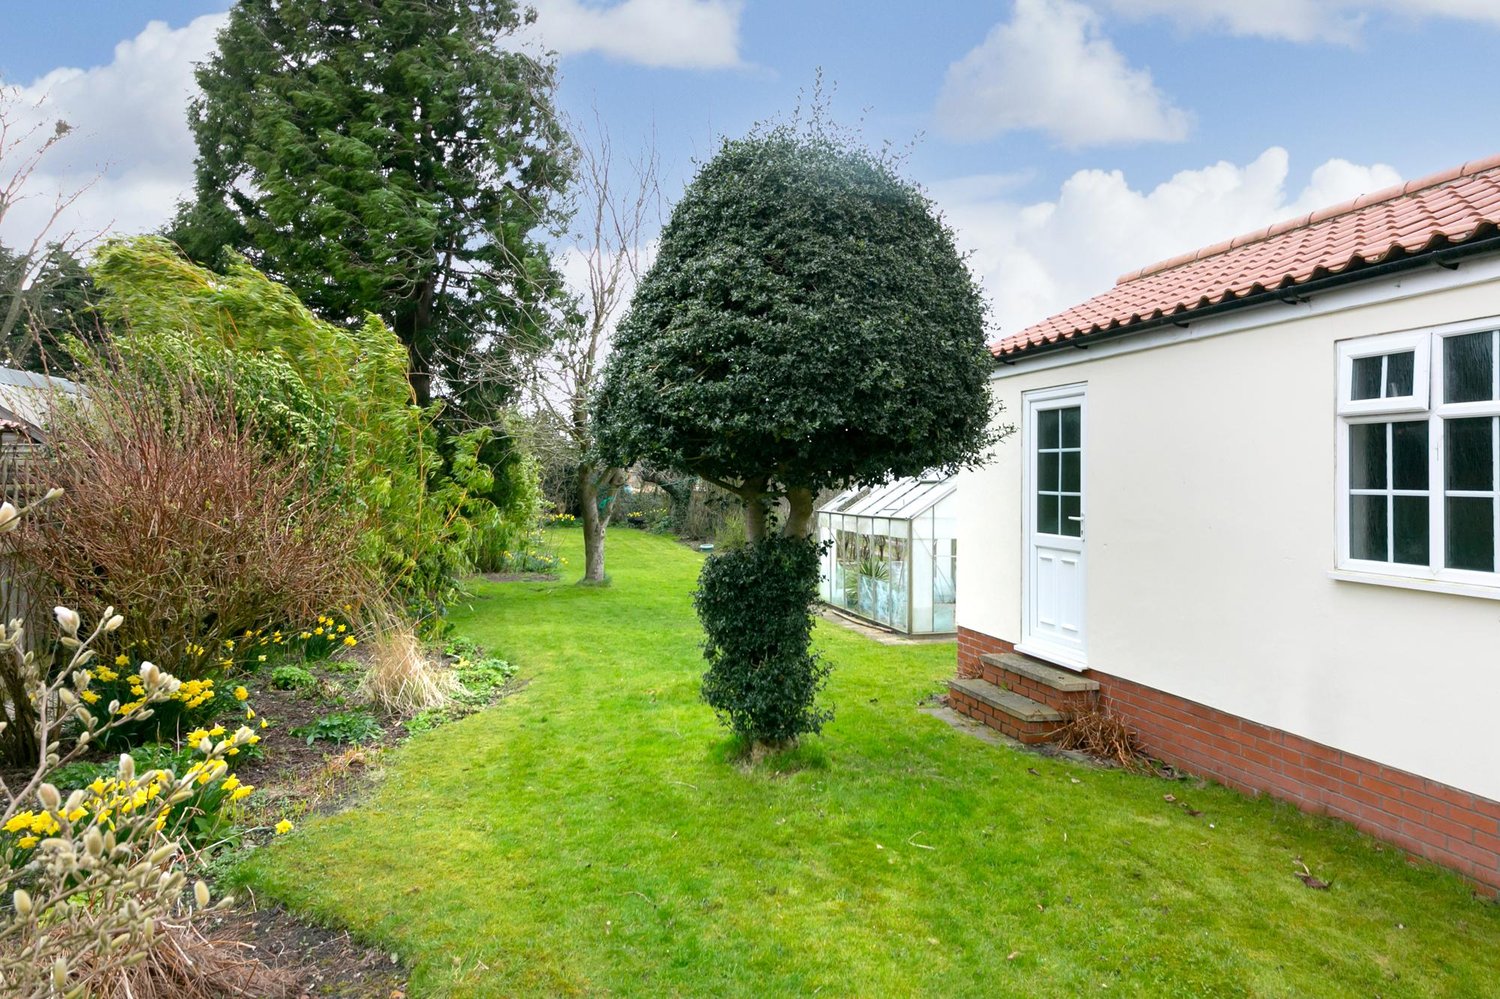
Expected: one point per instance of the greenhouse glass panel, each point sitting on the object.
(891, 555)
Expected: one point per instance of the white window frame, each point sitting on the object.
(1426, 399)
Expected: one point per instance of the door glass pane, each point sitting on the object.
(1367, 528)
(1071, 507)
(1468, 454)
(1471, 534)
(1411, 535)
(1409, 455)
(1047, 427)
(1367, 455)
(1072, 430)
(1046, 513)
(1468, 367)
(1046, 470)
(1399, 369)
(1367, 372)
(1072, 463)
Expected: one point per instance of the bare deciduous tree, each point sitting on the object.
(27, 135)
(615, 203)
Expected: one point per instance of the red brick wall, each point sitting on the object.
(1442, 823)
(972, 645)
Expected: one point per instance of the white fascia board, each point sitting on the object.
(1374, 291)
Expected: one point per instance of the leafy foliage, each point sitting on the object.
(807, 322)
(53, 311)
(390, 158)
(290, 676)
(762, 677)
(335, 396)
(341, 727)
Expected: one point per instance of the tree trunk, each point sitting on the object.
(592, 485)
(755, 515)
(799, 521)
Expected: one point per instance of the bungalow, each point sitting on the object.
(1253, 510)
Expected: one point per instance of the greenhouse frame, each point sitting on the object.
(891, 554)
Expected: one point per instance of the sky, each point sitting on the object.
(1067, 141)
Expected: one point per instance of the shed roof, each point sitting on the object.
(1447, 209)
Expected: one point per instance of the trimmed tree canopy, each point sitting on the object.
(808, 321)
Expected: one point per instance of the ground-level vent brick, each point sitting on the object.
(1445, 824)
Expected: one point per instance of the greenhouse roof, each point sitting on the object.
(902, 499)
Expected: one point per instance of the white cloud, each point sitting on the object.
(1050, 68)
(129, 121)
(1338, 21)
(1038, 259)
(678, 34)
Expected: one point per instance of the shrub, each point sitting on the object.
(91, 873)
(175, 510)
(401, 677)
(336, 396)
(755, 604)
(290, 676)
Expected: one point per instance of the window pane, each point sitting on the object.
(1411, 537)
(1046, 470)
(1399, 369)
(1468, 455)
(1071, 506)
(1071, 427)
(1367, 455)
(1047, 424)
(1471, 534)
(1409, 455)
(1468, 367)
(1072, 462)
(1046, 513)
(1367, 378)
(1367, 528)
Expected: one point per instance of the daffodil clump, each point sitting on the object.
(560, 520)
(534, 556)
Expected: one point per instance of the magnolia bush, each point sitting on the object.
(90, 874)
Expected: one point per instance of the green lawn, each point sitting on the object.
(587, 837)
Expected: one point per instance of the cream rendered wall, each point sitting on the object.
(1210, 499)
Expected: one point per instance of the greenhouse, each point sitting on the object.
(891, 555)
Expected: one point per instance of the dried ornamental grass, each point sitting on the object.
(402, 678)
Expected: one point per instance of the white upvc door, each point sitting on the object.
(1053, 427)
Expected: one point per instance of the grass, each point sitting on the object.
(590, 836)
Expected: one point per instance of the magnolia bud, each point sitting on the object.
(9, 517)
(50, 798)
(59, 973)
(114, 622)
(200, 892)
(67, 620)
(21, 899)
(93, 842)
(52, 494)
(149, 673)
(127, 767)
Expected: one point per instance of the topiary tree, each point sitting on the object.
(807, 323)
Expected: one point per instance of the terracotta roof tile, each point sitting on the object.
(1443, 209)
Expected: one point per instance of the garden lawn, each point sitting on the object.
(588, 837)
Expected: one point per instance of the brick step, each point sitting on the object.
(1006, 711)
(1063, 689)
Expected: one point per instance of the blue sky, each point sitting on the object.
(1067, 140)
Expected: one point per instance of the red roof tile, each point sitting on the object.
(1442, 210)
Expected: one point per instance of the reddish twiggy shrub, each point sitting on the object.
(174, 512)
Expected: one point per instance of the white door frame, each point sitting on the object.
(1071, 654)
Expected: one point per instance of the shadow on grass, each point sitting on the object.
(737, 751)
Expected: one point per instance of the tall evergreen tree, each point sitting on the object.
(389, 157)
